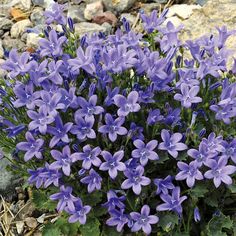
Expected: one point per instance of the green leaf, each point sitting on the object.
(199, 190)
(232, 188)
(217, 224)
(212, 200)
(93, 199)
(67, 228)
(91, 228)
(168, 221)
(51, 230)
(42, 201)
(110, 231)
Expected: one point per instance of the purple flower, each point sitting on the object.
(53, 46)
(144, 220)
(172, 117)
(63, 160)
(114, 201)
(214, 144)
(163, 185)
(40, 120)
(83, 128)
(17, 64)
(82, 61)
(230, 150)
(89, 108)
(172, 202)
(127, 105)
(93, 181)
(197, 216)
(152, 22)
(118, 219)
(220, 171)
(188, 96)
(36, 177)
(135, 180)
(109, 100)
(65, 197)
(25, 95)
(46, 176)
(68, 98)
(172, 143)
(79, 213)
(112, 163)
(89, 157)
(154, 116)
(32, 147)
(189, 172)
(113, 127)
(53, 73)
(136, 132)
(145, 151)
(50, 103)
(55, 14)
(59, 132)
(202, 155)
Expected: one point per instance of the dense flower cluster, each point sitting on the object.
(124, 114)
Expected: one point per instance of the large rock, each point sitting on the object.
(118, 6)
(25, 4)
(76, 13)
(5, 24)
(204, 21)
(9, 43)
(38, 3)
(32, 40)
(37, 16)
(107, 16)
(1, 50)
(2, 74)
(86, 27)
(19, 27)
(93, 9)
(183, 11)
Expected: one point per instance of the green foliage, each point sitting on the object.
(51, 230)
(110, 231)
(217, 224)
(199, 190)
(168, 221)
(91, 228)
(42, 201)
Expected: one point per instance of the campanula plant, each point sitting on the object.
(124, 133)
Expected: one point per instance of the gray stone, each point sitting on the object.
(9, 43)
(37, 16)
(93, 9)
(161, 1)
(2, 72)
(25, 4)
(1, 50)
(19, 27)
(6, 177)
(129, 17)
(183, 11)
(32, 40)
(76, 13)
(86, 27)
(38, 3)
(118, 6)
(148, 8)
(204, 21)
(5, 24)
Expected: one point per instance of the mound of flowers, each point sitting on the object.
(131, 131)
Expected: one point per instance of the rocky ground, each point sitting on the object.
(21, 22)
